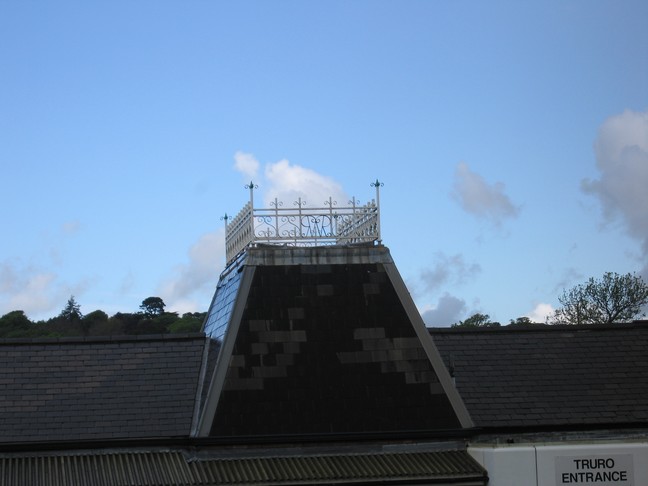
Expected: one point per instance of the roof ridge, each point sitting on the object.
(103, 339)
(637, 324)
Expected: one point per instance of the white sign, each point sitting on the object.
(599, 470)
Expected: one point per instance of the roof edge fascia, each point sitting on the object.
(217, 380)
(451, 437)
(430, 348)
(274, 255)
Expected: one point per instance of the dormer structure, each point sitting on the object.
(314, 333)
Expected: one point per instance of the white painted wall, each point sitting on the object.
(551, 464)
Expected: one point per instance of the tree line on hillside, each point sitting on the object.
(151, 319)
(611, 299)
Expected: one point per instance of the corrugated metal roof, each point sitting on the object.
(175, 468)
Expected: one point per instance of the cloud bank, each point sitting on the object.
(541, 312)
(448, 269)
(195, 281)
(449, 309)
(287, 182)
(33, 286)
(38, 292)
(246, 164)
(26, 288)
(621, 149)
(482, 200)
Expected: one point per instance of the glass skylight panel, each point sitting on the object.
(221, 309)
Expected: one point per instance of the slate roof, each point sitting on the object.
(103, 388)
(549, 375)
(326, 348)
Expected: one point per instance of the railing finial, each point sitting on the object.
(378, 185)
(251, 186)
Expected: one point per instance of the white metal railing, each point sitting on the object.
(302, 225)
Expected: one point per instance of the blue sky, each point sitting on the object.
(511, 137)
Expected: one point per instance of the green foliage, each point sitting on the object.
(70, 322)
(198, 316)
(475, 321)
(93, 322)
(110, 327)
(522, 321)
(148, 326)
(14, 323)
(190, 322)
(95, 318)
(152, 306)
(62, 327)
(127, 318)
(613, 298)
(16, 319)
(182, 326)
(72, 310)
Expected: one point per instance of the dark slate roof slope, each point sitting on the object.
(549, 375)
(102, 388)
(328, 349)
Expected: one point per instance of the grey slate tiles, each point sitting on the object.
(89, 389)
(328, 349)
(550, 376)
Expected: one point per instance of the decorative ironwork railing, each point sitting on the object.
(302, 225)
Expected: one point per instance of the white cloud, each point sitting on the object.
(246, 164)
(34, 291)
(621, 149)
(196, 280)
(71, 227)
(449, 309)
(541, 312)
(483, 200)
(34, 295)
(448, 269)
(288, 182)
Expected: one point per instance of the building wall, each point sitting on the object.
(576, 464)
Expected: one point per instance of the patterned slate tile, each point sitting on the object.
(342, 357)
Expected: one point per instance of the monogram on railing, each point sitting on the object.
(303, 225)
